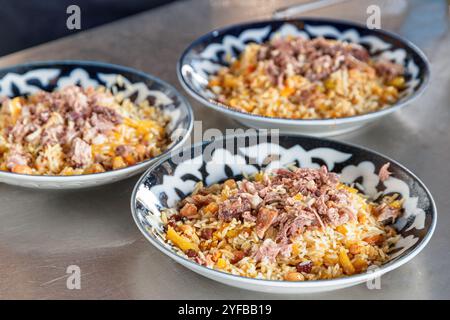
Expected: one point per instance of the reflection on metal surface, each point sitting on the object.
(425, 21)
(297, 9)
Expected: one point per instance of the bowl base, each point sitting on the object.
(314, 131)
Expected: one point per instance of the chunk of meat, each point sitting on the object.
(359, 52)
(332, 215)
(172, 220)
(294, 224)
(384, 213)
(75, 98)
(388, 70)
(233, 208)
(191, 253)
(255, 199)
(53, 134)
(108, 114)
(320, 68)
(101, 123)
(384, 173)
(16, 156)
(264, 220)
(238, 255)
(81, 153)
(248, 187)
(188, 210)
(247, 216)
(206, 233)
(20, 130)
(268, 251)
(202, 200)
(70, 133)
(306, 97)
(198, 199)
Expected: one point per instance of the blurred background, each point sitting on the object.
(26, 23)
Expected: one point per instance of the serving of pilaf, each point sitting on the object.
(75, 131)
(295, 78)
(287, 224)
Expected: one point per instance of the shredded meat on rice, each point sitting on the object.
(302, 220)
(293, 77)
(77, 131)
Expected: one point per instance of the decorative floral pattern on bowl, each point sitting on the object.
(174, 177)
(209, 53)
(29, 78)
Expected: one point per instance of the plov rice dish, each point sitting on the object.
(78, 131)
(295, 78)
(295, 225)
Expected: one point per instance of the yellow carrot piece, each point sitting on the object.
(181, 242)
(221, 263)
(345, 262)
(341, 229)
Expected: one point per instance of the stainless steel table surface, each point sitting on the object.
(43, 232)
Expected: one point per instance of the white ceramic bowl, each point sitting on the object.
(206, 55)
(29, 78)
(169, 179)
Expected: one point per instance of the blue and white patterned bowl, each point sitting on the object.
(206, 55)
(50, 75)
(175, 175)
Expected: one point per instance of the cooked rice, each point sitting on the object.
(307, 79)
